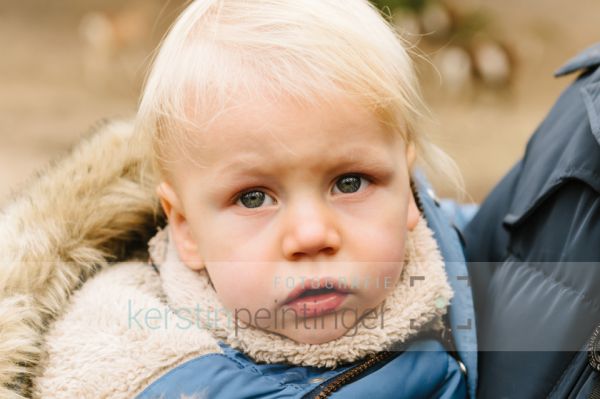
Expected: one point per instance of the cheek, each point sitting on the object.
(381, 235)
(239, 285)
(391, 270)
(226, 237)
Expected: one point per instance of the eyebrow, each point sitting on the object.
(361, 156)
(243, 163)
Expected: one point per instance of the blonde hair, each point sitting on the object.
(306, 50)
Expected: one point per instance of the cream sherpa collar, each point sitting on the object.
(417, 304)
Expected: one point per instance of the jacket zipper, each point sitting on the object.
(594, 361)
(324, 391)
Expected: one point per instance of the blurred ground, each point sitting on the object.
(55, 84)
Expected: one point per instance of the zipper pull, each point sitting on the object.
(594, 360)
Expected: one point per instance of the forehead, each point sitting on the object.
(287, 130)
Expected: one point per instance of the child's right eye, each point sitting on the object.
(254, 199)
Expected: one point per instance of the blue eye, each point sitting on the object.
(254, 199)
(348, 184)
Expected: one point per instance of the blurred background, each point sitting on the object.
(486, 67)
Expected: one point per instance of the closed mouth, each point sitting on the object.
(315, 292)
(310, 288)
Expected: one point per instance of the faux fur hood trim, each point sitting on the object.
(79, 214)
(106, 346)
(417, 304)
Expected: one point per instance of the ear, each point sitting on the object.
(183, 237)
(411, 155)
(413, 213)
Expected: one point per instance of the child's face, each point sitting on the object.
(279, 196)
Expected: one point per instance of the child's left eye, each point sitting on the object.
(348, 184)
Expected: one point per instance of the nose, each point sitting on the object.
(311, 230)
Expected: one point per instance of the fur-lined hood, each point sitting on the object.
(94, 207)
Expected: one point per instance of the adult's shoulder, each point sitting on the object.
(565, 148)
(566, 145)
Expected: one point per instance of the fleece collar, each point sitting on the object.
(417, 304)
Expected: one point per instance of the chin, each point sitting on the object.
(314, 336)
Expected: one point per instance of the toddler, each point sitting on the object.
(302, 256)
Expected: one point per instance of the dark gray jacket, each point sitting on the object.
(534, 249)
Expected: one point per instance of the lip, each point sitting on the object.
(316, 305)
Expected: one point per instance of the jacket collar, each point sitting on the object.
(586, 59)
(566, 146)
(462, 311)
